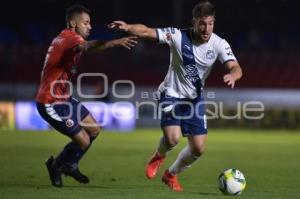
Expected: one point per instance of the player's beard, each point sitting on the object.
(201, 36)
(197, 35)
(85, 35)
(205, 36)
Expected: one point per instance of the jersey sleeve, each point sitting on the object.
(167, 35)
(72, 41)
(225, 53)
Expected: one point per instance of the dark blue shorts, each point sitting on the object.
(189, 114)
(64, 117)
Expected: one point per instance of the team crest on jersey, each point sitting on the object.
(210, 54)
(69, 123)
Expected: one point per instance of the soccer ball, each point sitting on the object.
(232, 182)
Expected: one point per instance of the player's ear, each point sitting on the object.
(193, 21)
(72, 23)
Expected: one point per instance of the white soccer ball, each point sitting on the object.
(232, 182)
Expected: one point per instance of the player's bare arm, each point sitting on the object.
(138, 30)
(235, 73)
(97, 46)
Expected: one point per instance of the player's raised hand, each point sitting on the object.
(229, 80)
(119, 25)
(127, 42)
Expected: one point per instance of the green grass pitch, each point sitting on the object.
(270, 161)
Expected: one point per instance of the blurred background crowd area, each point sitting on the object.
(263, 34)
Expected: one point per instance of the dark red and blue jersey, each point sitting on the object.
(59, 67)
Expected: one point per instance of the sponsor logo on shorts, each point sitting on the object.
(69, 123)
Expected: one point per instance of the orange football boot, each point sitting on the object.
(171, 181)
(154, 165)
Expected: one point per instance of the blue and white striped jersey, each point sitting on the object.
(176, 83)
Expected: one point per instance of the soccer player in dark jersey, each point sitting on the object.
(54, 102)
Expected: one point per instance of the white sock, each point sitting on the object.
(163, 148)
(183, 161)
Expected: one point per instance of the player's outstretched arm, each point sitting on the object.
(235, 73)
(138, 30)
(96, 46)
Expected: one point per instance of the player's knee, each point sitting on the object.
(94, 132)
(198, 150)
(173, 141)
(84, 143)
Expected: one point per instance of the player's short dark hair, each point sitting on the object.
(74, 10)
(203, 9)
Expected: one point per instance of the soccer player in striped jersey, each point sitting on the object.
(54, 102)
(193, 52)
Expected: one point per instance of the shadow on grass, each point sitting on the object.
(205, 193)
(46, 186)
(209, 194)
